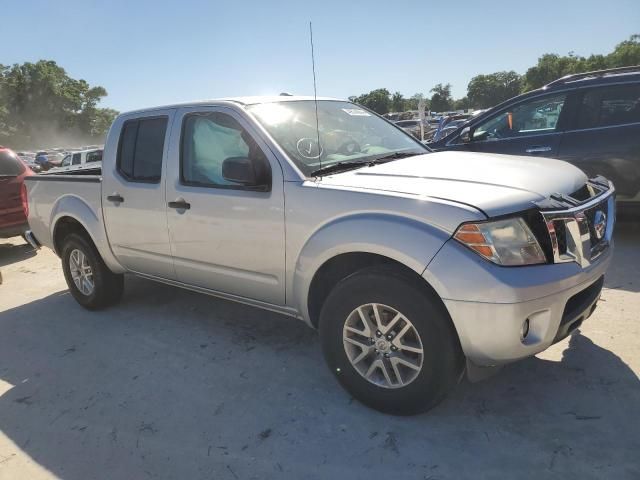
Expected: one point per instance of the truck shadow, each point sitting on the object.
(172, 384)
(14, 250)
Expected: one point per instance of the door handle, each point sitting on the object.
(180, 204)
(538, 149)
(115, 198)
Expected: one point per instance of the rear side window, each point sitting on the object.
(94, 156)
(76, 159)
(140, 150)
(10, 166)
(608, 106)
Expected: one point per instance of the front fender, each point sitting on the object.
(407, 241)
(73, 206)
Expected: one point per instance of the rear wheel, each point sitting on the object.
(90, 281)
(389, 342)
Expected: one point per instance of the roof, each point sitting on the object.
(244, 101)
(612, 75)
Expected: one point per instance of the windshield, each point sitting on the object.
(347, 133)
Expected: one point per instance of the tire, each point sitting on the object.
(107, 286)
(442, 362)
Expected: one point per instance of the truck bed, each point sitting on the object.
(49, 195)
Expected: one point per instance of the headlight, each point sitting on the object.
(505, 242)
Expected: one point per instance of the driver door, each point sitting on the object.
(225, 237)
(532, 127)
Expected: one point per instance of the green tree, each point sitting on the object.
(626, 53)
(462, 104)
(486, 91)
(552, 66)
(377, 100)
(41, 104)
(441, 99)
(397, 102)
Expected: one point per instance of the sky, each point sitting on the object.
(148, 53)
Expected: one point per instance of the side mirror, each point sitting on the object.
(465, 135)
(245, 172)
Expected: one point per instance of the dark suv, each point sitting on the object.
(591, 120)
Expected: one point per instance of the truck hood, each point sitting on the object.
(495, 184)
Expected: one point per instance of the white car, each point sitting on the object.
(81, 160)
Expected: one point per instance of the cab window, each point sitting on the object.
(77, 157)
(208, 140)
(141, 148)
(95, 156)
(536, 117)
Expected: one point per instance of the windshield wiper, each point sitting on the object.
(394, 156)
(339, 167)
(349, 165)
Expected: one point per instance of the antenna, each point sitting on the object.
(315, 94)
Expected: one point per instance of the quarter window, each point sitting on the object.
(141, 149)
(608, 106)
(77, 157)
(535, 117)
(208, 139)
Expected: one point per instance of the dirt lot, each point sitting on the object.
(171, 384)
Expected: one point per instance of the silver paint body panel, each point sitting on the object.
(265, 248)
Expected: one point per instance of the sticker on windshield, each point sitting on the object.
(356, 112)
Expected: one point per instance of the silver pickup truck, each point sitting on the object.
(414, 266)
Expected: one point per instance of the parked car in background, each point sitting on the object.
(80, 160)
(413, 265)
(29, 159)
(42, 160)
(14, 208)
(412, 127)
(591, 120)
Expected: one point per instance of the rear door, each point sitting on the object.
(11, 170)
(530, 127)
(133, 193)
(603, 136)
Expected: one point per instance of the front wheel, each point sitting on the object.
(390, 342)
(90, 281)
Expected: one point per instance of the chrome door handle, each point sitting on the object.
(537, 149)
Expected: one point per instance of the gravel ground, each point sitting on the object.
(172, 384)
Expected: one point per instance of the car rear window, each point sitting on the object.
(141, 148)
(10, 165)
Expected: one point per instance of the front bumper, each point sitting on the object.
(489, 304)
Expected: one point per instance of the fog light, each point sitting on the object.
(525, 329)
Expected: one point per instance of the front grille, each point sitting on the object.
(581, 230)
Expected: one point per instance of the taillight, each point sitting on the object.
(25, 202)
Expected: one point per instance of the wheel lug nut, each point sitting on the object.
(389, 337)
(394, 348)
(378, 333)
(386, 355)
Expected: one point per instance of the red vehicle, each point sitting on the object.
(14, 208)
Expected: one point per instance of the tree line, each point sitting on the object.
(42, 106)
(485, 91)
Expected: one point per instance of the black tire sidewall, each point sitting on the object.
(97, 298)
(442, 354)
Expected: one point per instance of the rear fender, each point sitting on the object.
(76, 208)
